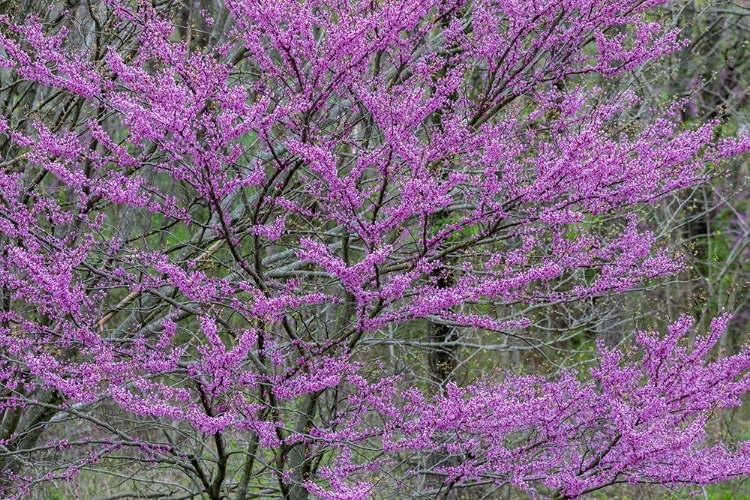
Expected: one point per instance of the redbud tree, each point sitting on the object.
(221, 224)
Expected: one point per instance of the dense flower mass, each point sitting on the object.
(218, 226)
